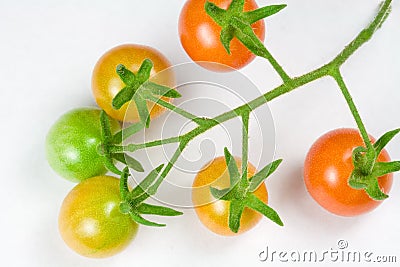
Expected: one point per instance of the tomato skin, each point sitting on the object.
(90, 222)
(72, 141)
(327, 168)
(200, 37)
(106, 83)
(215, 214)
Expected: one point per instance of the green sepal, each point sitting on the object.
(256, 204)
(145, 208)
(259, 177)
(125, 75)
(236, 208)
(109, 164)
(236, 6)
(384, 140)
(105, 127)
(216, 13)
(141, 188)
(221, 194)
(383, 168)
(244, 32)
(357, 180)
(367, 170)
(139, 219)
(143, 111)
(123, 96)
(233, 170)
(374, 191)
(129, 161)
(132, 201)
(106, 137)
(144, 71)
(120, 136)
(261, 13)
(123, 184)
(226, 36)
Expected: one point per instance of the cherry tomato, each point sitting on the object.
(200, 37)
(90, 221)
(327, 168)
(106, 83)
(71, 144)
(214, 213)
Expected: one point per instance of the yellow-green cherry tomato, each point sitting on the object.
(90, 221)
(72, 144)
(106, 83)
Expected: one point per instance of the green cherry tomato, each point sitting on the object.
(90, 221)
(72, 143)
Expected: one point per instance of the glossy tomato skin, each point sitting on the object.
(90, 222)
(214, 214)
(200, 37)
(72, 141)
(106, 83)
(328, 166)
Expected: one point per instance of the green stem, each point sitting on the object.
(169, 166)
(134, 147)
(245, 144)
(278, 91)
(339, 79)
(278, 68)
(174, 108)
(365, 35)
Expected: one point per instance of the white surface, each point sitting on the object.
(48, 50)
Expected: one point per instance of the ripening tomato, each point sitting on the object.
(214, 214)
(90, 221)
(200, 37)
(106, 83)
(327, 168)
(72, 142)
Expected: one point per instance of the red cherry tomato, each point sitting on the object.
(200, 37)
(327, 168)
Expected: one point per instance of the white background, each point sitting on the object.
(48, 50)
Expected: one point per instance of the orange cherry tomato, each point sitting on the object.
(106, 83)
(200, 37)
(327, 168)
(90, 221)
(214, 214)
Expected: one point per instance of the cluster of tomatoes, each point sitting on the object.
(90, 219)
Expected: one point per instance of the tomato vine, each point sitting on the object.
(234, 23)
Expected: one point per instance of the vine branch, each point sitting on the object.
(289, 84)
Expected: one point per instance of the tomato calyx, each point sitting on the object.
(237, 23)
(108, 141)
(132, 201)
(139, 89)
(240, 194)
(367, 170)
